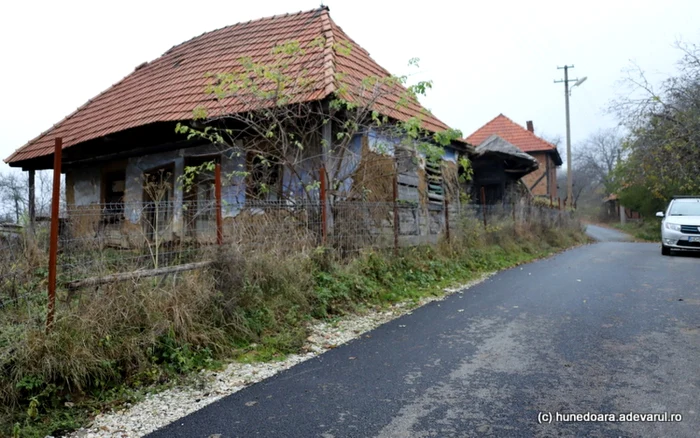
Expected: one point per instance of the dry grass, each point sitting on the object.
(110, 334)
(139, 333)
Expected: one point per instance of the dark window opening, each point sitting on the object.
(158, 186)
(113, 196)
(493, 193)
(263, 180)
(200, 202)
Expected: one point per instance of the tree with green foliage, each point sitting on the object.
(663, 147)
(261, 113)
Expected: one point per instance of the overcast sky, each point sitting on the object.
(485, 58)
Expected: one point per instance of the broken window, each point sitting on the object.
(408, 169)
(263, 179)
(436, 193)
(158, 186)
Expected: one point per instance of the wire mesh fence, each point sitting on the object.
(23, 264)
(104, 240)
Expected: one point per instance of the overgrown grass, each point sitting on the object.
(647, 230)
(108, 343)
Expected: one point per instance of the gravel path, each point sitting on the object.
(160, 409)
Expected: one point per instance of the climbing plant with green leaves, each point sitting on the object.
(262, 110)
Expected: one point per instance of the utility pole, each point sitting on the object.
(567, 93)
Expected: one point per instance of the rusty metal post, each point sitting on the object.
(324, 212)
(559, 201)
(396, 214)
(447, 220)
(217, 194)
(513, 203)
(483, 204)
(551, 202)
(53, 237)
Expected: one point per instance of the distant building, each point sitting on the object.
(543, 180)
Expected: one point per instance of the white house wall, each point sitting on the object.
(86, 187)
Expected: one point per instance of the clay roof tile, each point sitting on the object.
(513, 133)
(171, 86)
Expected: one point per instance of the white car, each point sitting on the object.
(680, 227)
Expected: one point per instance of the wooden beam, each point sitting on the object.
(32, 200)
(538, 181)
(124, 276)
(136, 152)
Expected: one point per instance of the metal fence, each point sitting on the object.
(123, 241)
(23, 264)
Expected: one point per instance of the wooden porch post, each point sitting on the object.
(32, 200)
(396, 212)
(326, 148)
(217, 194)
(324, 206)
(483, 204)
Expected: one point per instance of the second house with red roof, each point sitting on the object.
(543, 180)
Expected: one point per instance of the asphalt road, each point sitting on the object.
(602, 234)
(612, 327)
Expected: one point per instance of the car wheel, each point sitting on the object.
(665, 250)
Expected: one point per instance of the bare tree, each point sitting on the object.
(13, 195)
(594, 163)
(598, 155)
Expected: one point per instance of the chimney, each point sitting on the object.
(530, 127)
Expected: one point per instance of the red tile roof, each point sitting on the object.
(513, 133)
(170, 87)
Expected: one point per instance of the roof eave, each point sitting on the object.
(554, 152)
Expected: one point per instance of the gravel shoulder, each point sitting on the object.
(160, 409)
(608, 328)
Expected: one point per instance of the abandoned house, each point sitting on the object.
(543, 180)
(499, 168)
(124, 140)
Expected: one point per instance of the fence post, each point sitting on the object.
(217, 194)
(483, 204)
(447, 220)
(559, 217)
(514, 222)
(528, 213)
(396, 214)
(324, 217)
(53, 238)
(551, 202)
